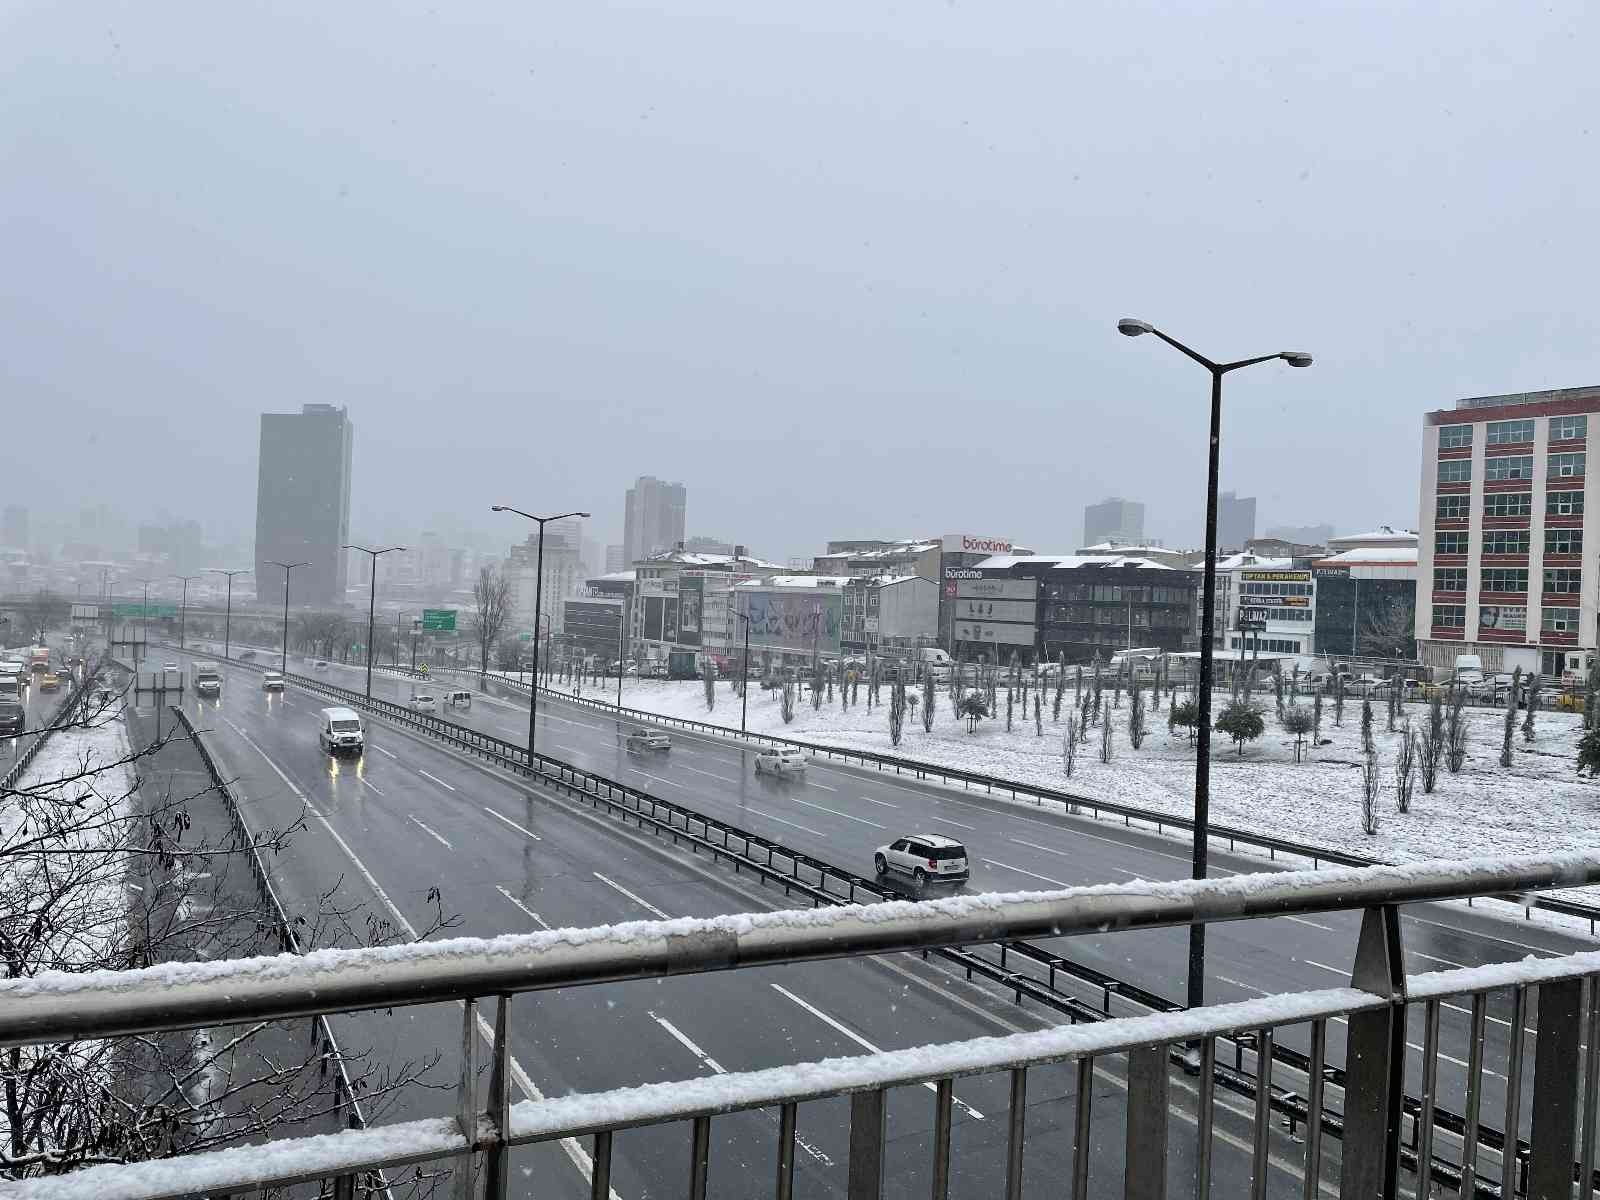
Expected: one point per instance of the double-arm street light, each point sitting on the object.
(227, 615)
(144, 620)
(744, 684)
(183, 610)
(283, 665)
(372, 602)
(538, 608)
(1202, 766)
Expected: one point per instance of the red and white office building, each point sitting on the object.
(1505, 520)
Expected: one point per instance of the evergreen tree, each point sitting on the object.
(1185, 715)
(1338, 701)
(1136, 716)
(1589, 752)
(1405, 765)
(927, 704)
(1038, 716)
(1277, 689)
(1106, 728)
(897, 713)
(1509, 733)
(1241, 721)
(1316, 719)
(1533, 703)
(1069, 746)
(1298, 721)
(1366, 726)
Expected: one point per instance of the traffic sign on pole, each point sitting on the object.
(443, 619)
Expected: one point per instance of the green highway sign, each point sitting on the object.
(137, 612)
(439, 618)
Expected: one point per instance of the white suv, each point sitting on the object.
(924, 856)
(780, 762)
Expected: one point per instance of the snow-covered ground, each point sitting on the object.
(1538, 804)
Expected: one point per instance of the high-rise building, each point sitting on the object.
(1114, 520)
(653, 518)
(1501, 554)
(707, 545)
(14, 527)
(616, 559)
(1305, 535)
(1236, 521)
(303, 503)
(564, 575)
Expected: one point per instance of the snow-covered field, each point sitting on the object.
(1538, 804)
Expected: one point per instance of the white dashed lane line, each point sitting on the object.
(513, 824)
(836, 812)
(637, 899)
(430, 831)
(525, 910)
(449, 787)
(1030, 874)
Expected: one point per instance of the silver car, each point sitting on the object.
(648, 739)
(780, 762)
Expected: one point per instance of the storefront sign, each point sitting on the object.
(962, 573)
(966, 543)
(994, 633)
(1275, 576)
(998, 589)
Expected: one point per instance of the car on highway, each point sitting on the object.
(13, 718)
(648, 739)
(272, 682)
(171, 666)
(925, 857)
(247, 656)
(424, 702)
(461, 699)
(780, 761)
(320, 665)
(49, 681)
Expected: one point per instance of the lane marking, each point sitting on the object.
(1435, 958)
(526, 911)
(837, 813)
(1313, 924)
(790, 824)
(957, 824)
(657, 778)
(712, 774)
(449, 787)
(1030, 874)
(1130, 874)
(429, 831)
(885, 803)
(567, 748)
(373, 786)
(688, 1043)
(573, 1149)
(1247, 987)
(1036, 846)
(639, 900)
(392, 755)
(1325, 967)
(513, 824)
(859, 1040)
(823, 786)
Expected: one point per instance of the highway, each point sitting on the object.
(471, 831)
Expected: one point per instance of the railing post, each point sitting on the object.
(1016, 1126)
(1375, 1063)
(944, 1095)
(867, 1113)
(1555, 1090)
(1145, 1173)
(495, 1165)
(466, 1098)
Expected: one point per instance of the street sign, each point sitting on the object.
(137, 612)
(439, 618)
(1252, 620)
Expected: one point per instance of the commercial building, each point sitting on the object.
(869, 557)
(681, 601)
(303, 504)
(1366, 595)
(1306, 535)
(1504, 523)
(616, 559)
(1080, 606)
(1177, 559)
(889, 612)
(653, 518)
(1279, 591)
(1236, 521)
(1113, 520)
(592, 624)
(563, 576)
(959, 556)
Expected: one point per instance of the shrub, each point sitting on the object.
(1242, 721)
(1185, 715)
(1297, 719)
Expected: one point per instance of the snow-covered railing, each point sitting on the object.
(1374, 1007)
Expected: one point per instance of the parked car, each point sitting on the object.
(49, 681)
(424, 702)
(648, 739)
(924, 856)
(780, 762)
(13, 718)
(272, 682)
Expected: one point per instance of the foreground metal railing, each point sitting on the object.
(1562, 991)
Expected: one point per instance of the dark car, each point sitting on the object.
(13, 718)
(247, 656)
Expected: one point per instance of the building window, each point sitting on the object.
(1510, 466)
(1563, 541)
(1566, 466)
(1508, 504)
(1566, 429)
(1504, 579)
(1450, 579)
(1563, 581)
(1505, 541)
(1450, 542)
(1510, 433)
(1513, 618)
(1563, 504)
(1452, 508)
(1455, 470)
(1270, 645)
(1454, 437)
(1449, 616)
(1559, 620)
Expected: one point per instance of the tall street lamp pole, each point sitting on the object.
(372, 601)
(1202, 767)
(144, 619)
(744, 684)
(538, 610)
(227, 616)
(283, 664)
(183, 611)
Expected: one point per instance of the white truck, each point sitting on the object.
(207, 679)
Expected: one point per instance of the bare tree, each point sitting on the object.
(1107, 724)
(1069, 744)
(1405, 765)
(1456, 731)
(1136, 716)
(491, 608)
(1371, 781)
(1510, 731)
(1532, 703)
(1431, 745)
(1297, 720)
(1389, 630)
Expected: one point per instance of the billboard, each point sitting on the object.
(794, 621)
(691, 609)
(660, 619)
(1275, 576)
(966, 543)
(993, 633)
(998, 589)
(969, 609)
(85, 614)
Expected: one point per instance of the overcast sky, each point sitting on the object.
(845, 269)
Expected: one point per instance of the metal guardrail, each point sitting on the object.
(62, 717)
(1375, 1005)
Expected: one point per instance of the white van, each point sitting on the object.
(458, 699)
(342, 731)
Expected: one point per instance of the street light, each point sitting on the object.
(744, 684)
(283, 665)
(372, 601)
(183, 611)
(144, 619)
(538, 608)
(1131, 327)
(227, 616)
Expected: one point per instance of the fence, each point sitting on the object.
(1376, 1005)
(65, 712)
